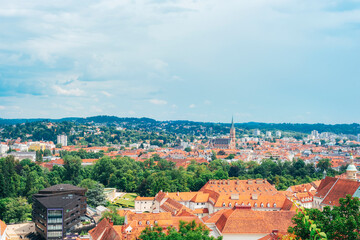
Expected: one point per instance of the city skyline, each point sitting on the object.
(262, 61)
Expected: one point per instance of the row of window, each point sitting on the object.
(55, 227)
(255, 205)
(55, 220)
(148, 222)
(55, 234)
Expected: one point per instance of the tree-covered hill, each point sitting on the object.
(177, 125)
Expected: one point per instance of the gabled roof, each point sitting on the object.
(104, 231)
(243, 220)
(341, 188)
(325, 185)
(2, 227)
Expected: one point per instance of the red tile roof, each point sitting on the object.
(104, 231)
(341, 188)
(243, 220)
(2, 227)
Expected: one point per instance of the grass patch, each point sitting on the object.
(126, 201)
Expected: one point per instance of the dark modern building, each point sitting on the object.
(58, 209)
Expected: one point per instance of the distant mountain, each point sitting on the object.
(353, 128)
(95, 119)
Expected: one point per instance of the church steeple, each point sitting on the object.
(232, 134)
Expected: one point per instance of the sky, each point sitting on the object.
(261, 60)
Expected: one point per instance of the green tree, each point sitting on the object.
(95, 196)
(340, 222)
(15, 210)
(88, 183)
(72, 167)
(47, 152)
(39, 157)
(187, 149)
(324, 164)
(113, 215)
(187, 231)
(231, 156)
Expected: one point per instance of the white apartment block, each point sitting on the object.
(62, 139)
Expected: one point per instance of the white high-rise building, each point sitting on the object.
(278, 134)
(62, 139)
(3, 148)
(268, 134)
(256, 132)
(315, 134)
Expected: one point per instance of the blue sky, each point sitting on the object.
(259, 60)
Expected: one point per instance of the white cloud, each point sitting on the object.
(106, 93)
(159, 65)
(68, 92)
(129, 51)
(176, 78)
(158, 101)
(96, 109)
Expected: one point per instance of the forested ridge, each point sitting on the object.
(186, 127)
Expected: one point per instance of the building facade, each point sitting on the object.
(225, 143)
(62, 139)
(58, 209)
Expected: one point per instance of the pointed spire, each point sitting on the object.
(232, 122)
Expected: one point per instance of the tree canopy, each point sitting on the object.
(187, 231)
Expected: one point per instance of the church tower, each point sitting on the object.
(351, 170)
(232, 135)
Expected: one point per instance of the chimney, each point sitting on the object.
(110, 222)
(275, 233)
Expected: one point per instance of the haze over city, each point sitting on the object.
(262, 60)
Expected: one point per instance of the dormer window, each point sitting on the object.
(140, 222)
(268, 205)
(229, 204)
(262, 205)
(255, 205)
(224, 204)
(147, 222)
(156, 222)
(274, 204)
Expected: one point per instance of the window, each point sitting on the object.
(156, 222)
(55, 227)
(224, 204)
(268, 205)
(262, 205)
(147, 222)
(255, 205)
(140, 222)
(55, 234)
(229, 204)
(274, 204)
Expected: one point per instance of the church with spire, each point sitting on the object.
(225, 143)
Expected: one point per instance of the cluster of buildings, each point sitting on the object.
(234, 209)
